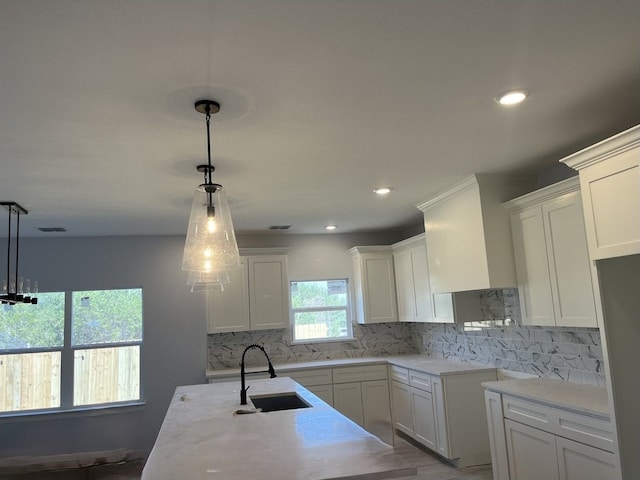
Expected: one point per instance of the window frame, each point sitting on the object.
(67, 370)
(347, 308)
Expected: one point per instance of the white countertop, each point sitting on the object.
(588, 399)
(423, 363)
(201, 438)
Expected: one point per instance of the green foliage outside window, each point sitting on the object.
(25, 326)
(106, 316)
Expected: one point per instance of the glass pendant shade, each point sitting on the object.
(210, 247)
(204, 282)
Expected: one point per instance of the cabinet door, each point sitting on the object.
(440, 416)
(401, 404)
(228, 310)
(611, 195)
(347, 399)
(423, 417)
(421, 284)
(570, 270)
(405, 286)
(442, 308)
(497, 440)
(577, 461)
(324, 392)
(269, 292)
(376, 409)
(379, 288)
(532, 452)
(532, 268)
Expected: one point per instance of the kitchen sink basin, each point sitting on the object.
(278, 401)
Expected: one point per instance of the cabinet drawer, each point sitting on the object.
(308, 378)
(529, 413)
(420, 380)
(359, 374)
(593, 431)
(399, 374)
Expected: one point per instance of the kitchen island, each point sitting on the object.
(204, 438)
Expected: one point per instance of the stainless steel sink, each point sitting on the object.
(278, 401)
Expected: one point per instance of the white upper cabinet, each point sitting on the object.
(412, 281)
(257, 297)
(610, 181)
(468, 238)
(552, 262)
(375, 285)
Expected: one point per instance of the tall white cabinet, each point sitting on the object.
(552, 261)
(610, 181)
(257, 297)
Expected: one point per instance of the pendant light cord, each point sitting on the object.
(17, 247)
(9, 254)
(208, 173)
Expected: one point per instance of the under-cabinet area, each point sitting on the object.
(549, 429)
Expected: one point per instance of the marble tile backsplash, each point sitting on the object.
(573, 354)
(225, 349)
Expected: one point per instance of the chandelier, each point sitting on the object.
(14, 288)
(210, 249)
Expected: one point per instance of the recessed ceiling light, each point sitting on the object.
(382, 190)
(331, 227)
(512, 97)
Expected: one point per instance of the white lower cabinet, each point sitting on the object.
(443, 413)
(424, 426)
(318, 381)
(401, 407)
(347, 399)
(365, 402)
(376, 409)
(577, 461)
(529, 441)
(529, 451)
(324, 392)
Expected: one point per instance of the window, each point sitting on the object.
(58, 358)
(320, 310)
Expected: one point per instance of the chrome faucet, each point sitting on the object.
(270, 371)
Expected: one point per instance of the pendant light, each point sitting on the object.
(14, 288)
(210, 248)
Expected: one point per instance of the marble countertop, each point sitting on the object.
(202, 439)
(423, 363)
(589, 399)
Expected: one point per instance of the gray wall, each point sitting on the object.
(174, 351)
(175, 340)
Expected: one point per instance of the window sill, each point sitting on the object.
(78, 412)
(323, 340)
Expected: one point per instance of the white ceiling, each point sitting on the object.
(322, 100)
